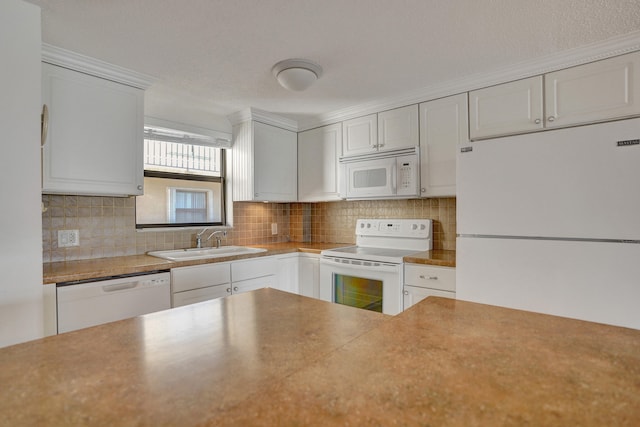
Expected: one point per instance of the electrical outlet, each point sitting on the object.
(68, 238)
(274, 228)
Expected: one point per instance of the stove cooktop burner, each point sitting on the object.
(386, 240)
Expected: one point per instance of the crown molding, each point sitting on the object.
(263, 117)
(615, 46)
(95, 67)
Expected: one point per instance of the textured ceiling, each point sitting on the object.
(215, 56)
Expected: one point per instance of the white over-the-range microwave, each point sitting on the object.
(384, 175)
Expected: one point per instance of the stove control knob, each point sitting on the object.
(368, 225)
(414, 226)
(362, 225)
(423, 227)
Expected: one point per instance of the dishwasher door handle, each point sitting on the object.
(119, 286)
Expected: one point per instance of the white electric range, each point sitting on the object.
(370, 275)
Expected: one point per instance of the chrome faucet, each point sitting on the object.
(199, 238)
(218, 239)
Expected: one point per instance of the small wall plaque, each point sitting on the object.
(628, 142)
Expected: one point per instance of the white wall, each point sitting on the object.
(21, 289)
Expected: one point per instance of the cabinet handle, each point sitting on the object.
(229, 290)
(44, 124)
(235, 289)
(140, 187)
(422, 276)
(406, 292)
(551, 119)
(536, 121)
(423, 190)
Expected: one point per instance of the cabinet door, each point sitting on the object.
(360, 135)
(252, 268)
(287, 279)
(398, 128)
(275, 163)
(95, 141)
(443, 125)
(198, 295)
(199, 276)
(593, 92)
(506, 109)
(318, 169)
(309, 276)
(253, 284)
(414, 294)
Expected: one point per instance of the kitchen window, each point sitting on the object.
(184, 180)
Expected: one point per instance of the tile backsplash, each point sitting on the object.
(107, 224)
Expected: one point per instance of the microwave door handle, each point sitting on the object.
(394, 177)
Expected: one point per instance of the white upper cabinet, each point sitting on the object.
(593, 92)
(360, 135)
(95, 134)
(509, 108)
(398, 128)
(443, 125)
(318, 172)
(388, 130)
(589, 93)
(264, 159)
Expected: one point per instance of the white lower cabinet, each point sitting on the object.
(251, 274)
(288, 273)
(422, 281)
(50, 309)
(299, 273)
(219, 279)
(198, 295)
(200, 283)
(309, 275)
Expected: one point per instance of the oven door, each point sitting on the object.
(375, 286)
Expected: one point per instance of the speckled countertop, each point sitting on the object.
(440, 258)
(58, 272)
(270, 358)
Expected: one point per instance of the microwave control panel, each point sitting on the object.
(407, 175)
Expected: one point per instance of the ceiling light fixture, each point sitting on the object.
(296, 74)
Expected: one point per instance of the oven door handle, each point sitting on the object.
(370, 266)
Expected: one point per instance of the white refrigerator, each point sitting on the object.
(550, 222)
(21, 290)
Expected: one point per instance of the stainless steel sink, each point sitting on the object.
(204, 253)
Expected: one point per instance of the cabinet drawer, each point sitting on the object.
(199, 276)
(253, 284)
(198, 295)
(442, 278)
(249, 269)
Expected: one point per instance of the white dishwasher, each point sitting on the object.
(93, 302)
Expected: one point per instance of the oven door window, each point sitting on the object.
(358, 292)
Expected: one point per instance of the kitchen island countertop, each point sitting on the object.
(272, 358)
